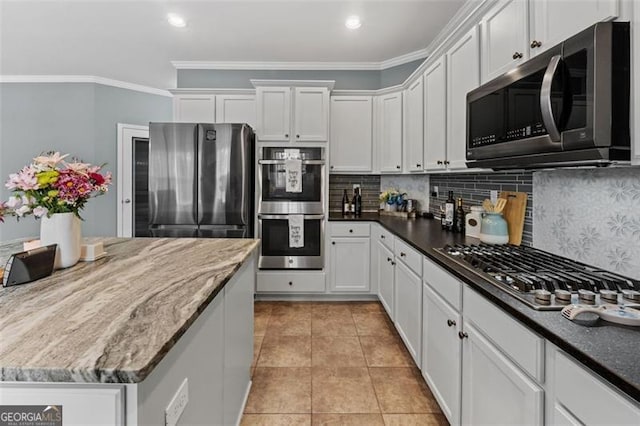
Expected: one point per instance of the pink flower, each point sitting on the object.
(78, 167)
(40, 211)
(73, 187)
(24, 180)
(49, 161)
(14, 202)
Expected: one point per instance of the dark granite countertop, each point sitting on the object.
(610, 350)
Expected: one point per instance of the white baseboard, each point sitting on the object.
(316, 297)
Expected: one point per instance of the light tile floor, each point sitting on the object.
(330, 363)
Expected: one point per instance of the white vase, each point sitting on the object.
(390, 207)
(62, 229)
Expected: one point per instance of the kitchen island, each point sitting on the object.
(113, 341)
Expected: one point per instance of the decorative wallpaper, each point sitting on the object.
(416, 187)
(590, 215)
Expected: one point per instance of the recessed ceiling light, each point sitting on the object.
(176, 20)
(353, 22)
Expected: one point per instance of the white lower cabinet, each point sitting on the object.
(442, 352)
(494, 389)
(386, 265)
(408, 309)
(350, 258)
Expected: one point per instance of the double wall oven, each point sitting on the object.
(277, 205)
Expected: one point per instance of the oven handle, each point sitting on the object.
(286, 216)
(281, 162)
(545, 99)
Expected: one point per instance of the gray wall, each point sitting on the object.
(75, 118)
(348, 79)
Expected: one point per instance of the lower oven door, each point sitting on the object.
(275, 251)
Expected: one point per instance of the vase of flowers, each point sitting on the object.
(55, 191)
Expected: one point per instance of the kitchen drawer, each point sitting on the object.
(518, 342)
(350, 229)
(443, 283)
(408, 256)
(291, 282)
(384, 236)
(585, 395)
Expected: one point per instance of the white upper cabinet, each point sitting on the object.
(414, 131)
(552, 21)
(311, 119)
(274, 113)
(435, 116)
(463, 75)
(351, 141)
(194, 108)
(390, 132)
(505, 37)
(236, 109)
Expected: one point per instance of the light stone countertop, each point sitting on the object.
(112, 320)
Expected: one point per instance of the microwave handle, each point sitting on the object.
(545, 99)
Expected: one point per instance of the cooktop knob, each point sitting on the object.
(563, 296)
(632, 295)
(587, 297)
(542, 296)
(609, 296)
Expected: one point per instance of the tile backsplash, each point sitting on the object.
(590, 215)
(369, 190)
(476, 187)
(416, 187)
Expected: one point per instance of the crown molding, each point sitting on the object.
(404, 59)
(83, 79)
(329, 84)
(211, 91)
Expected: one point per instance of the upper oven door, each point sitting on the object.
(274, 198)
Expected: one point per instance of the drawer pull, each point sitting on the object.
(333, 242)
(535, 44)
(382, 236)
(402, 254)
(451, 323)
(351, 231)
(286, 135)
(462, 335)
(393, 263)
(290, 282)
(517, 55)
(388, 259)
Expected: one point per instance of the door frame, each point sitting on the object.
(124, 178)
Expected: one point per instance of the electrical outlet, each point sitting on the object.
(494, 196)
(356, 186)
(177, 405)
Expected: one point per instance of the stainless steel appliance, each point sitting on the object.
(274, 199)
(276, 206)
(566, 106)
(542, 280)
(200, 181)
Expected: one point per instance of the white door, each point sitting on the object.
(435, 116)
(126, 135)
(236, 109)
(413, 120)
(274, 113)
(505, 37)
(351, 141)
(350, 264)
(408, 309)
(390, 139)
(194, 108)
(552, 21)
(442, 352)
(494, 390)
(311, 118)
(386, 265)
(463, 75)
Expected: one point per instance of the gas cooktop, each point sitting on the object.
(542, 280)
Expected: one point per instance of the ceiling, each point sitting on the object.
(132, 41)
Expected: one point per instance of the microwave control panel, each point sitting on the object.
(525, 132)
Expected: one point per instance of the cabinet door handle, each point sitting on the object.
(393, 263)
(333, 243)
(382, 236)
(126, 201)
(462, 335)
(398, 167)
(286, 135)
(451, 323)
(290, 282)
(439, 162)
(351, 231)
(447, 162)
(402, 254)
(388, 259)
(298, 136)
(418, 165)
(331, 167)
(535, 44)
(517, 55)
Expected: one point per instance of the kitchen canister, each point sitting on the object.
(493, 229)
(473, 220)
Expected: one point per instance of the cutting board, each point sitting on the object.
(513, 213)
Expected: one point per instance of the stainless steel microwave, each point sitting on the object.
(567, 106)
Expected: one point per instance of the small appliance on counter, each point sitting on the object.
(30, 265)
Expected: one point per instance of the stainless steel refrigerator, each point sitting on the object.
(200, 181)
